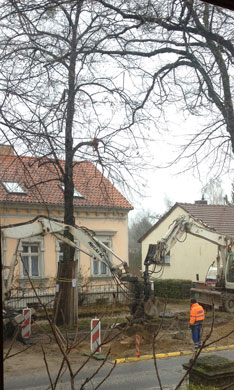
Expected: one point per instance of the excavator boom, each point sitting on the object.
(180, 227)
(225, 272)
(42, 225)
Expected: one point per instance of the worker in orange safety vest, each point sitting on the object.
(197, 316)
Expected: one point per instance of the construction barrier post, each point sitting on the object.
(26, 327)
(138, 342)
(95, 335)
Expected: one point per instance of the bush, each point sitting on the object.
(172, 288)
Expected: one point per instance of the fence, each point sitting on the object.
(87, 295)
(92, 294)
(26, 297)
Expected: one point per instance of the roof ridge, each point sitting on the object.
(6, 156)
(205, 205)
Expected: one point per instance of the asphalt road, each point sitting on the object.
(138, 375)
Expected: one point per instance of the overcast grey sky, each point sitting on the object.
(172, 182)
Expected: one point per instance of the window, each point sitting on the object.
(230, 268)
(59, 251)
(4, 250)
(32, 252)
(103, 268)
(13, 187)
(95, 267)
(77, 194)
(167, 259)
(99, 268)
(31, 255)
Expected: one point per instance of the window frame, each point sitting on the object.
(107, 240)
(4, 253)
(76, 194)
(167, 259)
(76, 254)
(18, 188)
(39, 242)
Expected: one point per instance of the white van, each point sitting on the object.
(211, 275)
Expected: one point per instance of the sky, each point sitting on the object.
(171, 183)
(164, 185)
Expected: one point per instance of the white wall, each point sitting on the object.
(188, 258)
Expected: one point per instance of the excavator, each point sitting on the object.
(139, 287)
(219, 293)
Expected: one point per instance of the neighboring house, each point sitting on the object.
(191, 258)
(98, 206)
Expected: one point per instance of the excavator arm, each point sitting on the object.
(42, 225)
(222, 295)
(177, 232)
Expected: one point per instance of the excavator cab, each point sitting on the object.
(230, 270)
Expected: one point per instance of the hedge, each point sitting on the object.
(172, 288)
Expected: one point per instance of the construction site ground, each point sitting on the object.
(173, 335)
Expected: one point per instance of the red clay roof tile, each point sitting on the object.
(97, 191)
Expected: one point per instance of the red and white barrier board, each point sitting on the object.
(95, 335)
(138, 343)
(26, 327)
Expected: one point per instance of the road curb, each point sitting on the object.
(170, 354)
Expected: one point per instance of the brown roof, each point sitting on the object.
(96, 190)
(229, 4)
(218, 217)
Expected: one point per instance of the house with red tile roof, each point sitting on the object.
(31, 186)
(190, 258)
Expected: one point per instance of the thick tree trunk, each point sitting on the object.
(66, 308)
(68, 302)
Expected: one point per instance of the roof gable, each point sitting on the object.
(40, 179)
(217, 217)
(157, 223)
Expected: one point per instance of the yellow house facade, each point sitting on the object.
(44, 252)
(190, 258)
(98, 206)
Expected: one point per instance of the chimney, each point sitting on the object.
(202, 201)
(6, 150)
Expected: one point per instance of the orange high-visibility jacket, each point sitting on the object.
(197, 314)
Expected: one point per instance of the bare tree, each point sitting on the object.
(139, 225)
(189, 51)
(213, 192)
(61, 97)
(197, 76)
(82, 79)
(65, 348)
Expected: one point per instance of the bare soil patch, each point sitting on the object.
(174, 335)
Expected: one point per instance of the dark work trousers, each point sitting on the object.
(196, 335)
